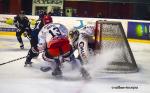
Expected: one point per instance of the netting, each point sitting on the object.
(110, 36)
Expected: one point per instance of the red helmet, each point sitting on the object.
(47, 19)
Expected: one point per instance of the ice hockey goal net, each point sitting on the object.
(110, 36)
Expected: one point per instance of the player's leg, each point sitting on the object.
(49, 62)
(54, 62)
(80, 66)
(19, 38)
(31, 54)
(34, 38)
(76, 63)
(57, 70)
(55, 49)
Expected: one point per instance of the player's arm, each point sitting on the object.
(28, 22)
(42, 40)
(26, 27)
(16, 21)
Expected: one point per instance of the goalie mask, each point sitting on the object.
(74, 34)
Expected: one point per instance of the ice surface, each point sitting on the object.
(14, 78)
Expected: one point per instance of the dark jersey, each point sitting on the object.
(34, 34)
(39, 24)
(21, 22)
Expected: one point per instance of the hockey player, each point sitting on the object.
(23, 27)
(53, 40)
(33, 52)
(82, 40)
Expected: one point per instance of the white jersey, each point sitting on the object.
(50, 31)
(82, 43)
(88, 30)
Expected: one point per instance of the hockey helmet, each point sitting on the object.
(22, 12)
(42, 13)
(47, 19)
(74, 34)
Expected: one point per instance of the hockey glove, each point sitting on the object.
(25, 34)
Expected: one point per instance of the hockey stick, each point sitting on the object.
(12, 60)
(28, 37)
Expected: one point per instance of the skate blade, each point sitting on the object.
(45, 70)
(58, 77)
(86, 77)
(28, 65)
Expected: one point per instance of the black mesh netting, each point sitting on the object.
(111, 37)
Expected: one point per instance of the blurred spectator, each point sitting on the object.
(56, 12)
(75, 14)
(61, 12)
(85, 14)
(99, 15)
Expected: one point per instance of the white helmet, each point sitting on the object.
(74, 34)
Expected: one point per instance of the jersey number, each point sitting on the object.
(55, 32)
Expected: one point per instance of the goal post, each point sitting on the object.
(110, 36)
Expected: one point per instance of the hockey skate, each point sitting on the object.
(57, 73)
(21, 46)
(85, 74)
(45, 69)
(28, 64)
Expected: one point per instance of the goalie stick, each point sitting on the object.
(12, 60)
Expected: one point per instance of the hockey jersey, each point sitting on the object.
(51, 31)
(21, 21)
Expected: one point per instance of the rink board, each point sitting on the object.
(130, 40)
(7, 34)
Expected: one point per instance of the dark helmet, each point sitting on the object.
(42, 13)
(22, 12)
